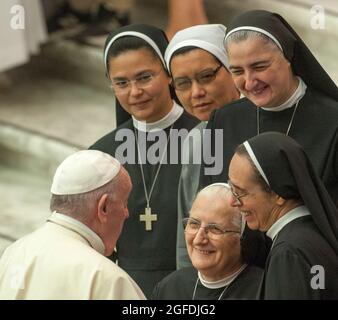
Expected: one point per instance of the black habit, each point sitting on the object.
(315, 128)
(148, 256)
(307, 242)
(315, 125)
(301, 264)
(315, 122)
(180, 285)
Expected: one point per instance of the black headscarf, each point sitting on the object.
(303, 63)
(155, 37)
(288, 171)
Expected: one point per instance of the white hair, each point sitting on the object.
(222, 190)
(242, 35)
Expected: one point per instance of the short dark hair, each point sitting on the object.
(184, 50)
(187, 49)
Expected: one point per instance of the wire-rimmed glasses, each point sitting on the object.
(213, 230)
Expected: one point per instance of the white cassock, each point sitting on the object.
(63, 260)
(22, 30)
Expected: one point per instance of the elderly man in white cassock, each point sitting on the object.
(65, 258)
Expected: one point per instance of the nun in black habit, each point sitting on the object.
(286, 90)
(278, 191)
(219, 270)
(134, 61)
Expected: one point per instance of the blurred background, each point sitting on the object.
(55, 99)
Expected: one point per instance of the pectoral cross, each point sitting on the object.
(148, 217)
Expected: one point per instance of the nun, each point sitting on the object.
(279, 192)
(134, 62)
(198, 64)
(213, 234)
(286, 90)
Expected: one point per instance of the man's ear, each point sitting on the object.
(102, 208)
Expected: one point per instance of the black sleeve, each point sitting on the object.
(156, 293)
(288, 276)
(255, 247)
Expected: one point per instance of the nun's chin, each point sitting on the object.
(263, 99)
(251, 221)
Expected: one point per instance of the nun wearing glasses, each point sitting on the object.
(286, 90)
(197, 62)
(278, 191)
(134, 62)
(213, 235)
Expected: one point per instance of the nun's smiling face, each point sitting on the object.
(141, 84)
(261, 72)
(215, 256)
(210, 88)
(259, 207)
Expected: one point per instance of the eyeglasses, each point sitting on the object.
(141, 81)
(213, 230)
(236, 195)
(204, 77)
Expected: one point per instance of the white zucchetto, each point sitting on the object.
(84, 171)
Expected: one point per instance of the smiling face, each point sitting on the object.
(148, 102)
(261, 72)
(201, 99)
(214, 258)
(260, 208)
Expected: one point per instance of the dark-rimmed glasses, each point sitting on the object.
(203, 77)
(213, 230)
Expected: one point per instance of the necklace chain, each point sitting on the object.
(290, 123)
(148, 197)
(220, 296)
(236, 274)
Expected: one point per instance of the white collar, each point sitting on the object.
(223, 282)
(78, 227)
(295, 213)
(173, 115)
(296, 96)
